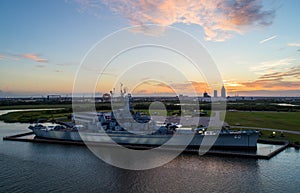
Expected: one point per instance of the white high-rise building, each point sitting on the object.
(223, 92)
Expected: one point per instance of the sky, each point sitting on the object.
(255, 44)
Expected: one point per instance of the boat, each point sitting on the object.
(140, 130)
(246, 139)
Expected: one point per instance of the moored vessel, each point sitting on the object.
(125, 127)
(246, 139)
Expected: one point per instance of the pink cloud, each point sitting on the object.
(219, 19)
(34, 57)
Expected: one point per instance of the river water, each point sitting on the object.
(33, 167)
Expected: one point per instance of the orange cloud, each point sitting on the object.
(34, 57)
(272, 81)
(276, 85)
(154, 87)
(218, 18)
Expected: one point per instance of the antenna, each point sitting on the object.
(121, 89)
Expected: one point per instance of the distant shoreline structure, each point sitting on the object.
(254, 94)
(99, 98)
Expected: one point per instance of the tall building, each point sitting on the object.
(223, 92)
(215, 93)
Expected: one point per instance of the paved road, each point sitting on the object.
(268, 129)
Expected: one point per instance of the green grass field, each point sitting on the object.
(275, 120)
(38, 106)
(33, 116)
(266, 135)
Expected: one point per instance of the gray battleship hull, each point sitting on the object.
(238, 140)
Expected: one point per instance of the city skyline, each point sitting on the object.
(256, 47)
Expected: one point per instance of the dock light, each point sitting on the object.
(274, 133)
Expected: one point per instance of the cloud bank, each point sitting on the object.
(219, 18)
(30, 56)
(35, 58)
(280, 75)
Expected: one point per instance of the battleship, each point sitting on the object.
(140, 130)
(246, 139)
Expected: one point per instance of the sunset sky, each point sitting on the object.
(254, 43)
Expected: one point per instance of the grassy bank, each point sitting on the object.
(33, 116)
(275, 120)
(38, 106)
(268, 135)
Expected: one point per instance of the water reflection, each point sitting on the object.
(61, 168)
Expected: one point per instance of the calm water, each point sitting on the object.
(30, 167)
